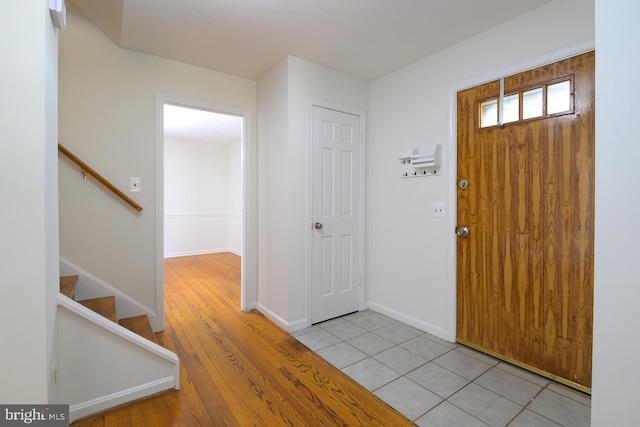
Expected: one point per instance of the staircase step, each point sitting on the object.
(105, 306)
(68, 285)
(140, 325)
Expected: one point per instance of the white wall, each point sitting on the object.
(616, 373)
(202, 197)
(28, 190)
(284, 97)
(411, 254)
(273, 198)
(108, 102)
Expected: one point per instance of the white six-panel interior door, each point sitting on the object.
(336, 213)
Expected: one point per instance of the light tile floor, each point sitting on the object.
(437, 383)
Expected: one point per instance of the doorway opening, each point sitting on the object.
(201, 168)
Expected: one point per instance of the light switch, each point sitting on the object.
(438, 210)
(135, 184)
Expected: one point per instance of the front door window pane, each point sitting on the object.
(532, 103)
(559, 97)
(489, 113)
(511, 108)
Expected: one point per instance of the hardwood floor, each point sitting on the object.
(240, 369)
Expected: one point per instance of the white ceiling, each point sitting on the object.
(198, 125)
(365, 38)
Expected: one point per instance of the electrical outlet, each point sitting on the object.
(438, 210)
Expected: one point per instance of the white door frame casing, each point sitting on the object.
(249, 291)
(317, 102)
(453, 150)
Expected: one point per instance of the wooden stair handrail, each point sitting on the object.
(87, 169)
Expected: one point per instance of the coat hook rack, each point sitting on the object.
(421, 161)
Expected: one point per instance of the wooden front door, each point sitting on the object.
(525, 267)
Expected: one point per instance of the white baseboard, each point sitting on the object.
(297, 325)
(103, 403)
(412, 321)
(283, 324)
(378, 308)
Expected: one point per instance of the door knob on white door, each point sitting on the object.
(318, 226)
